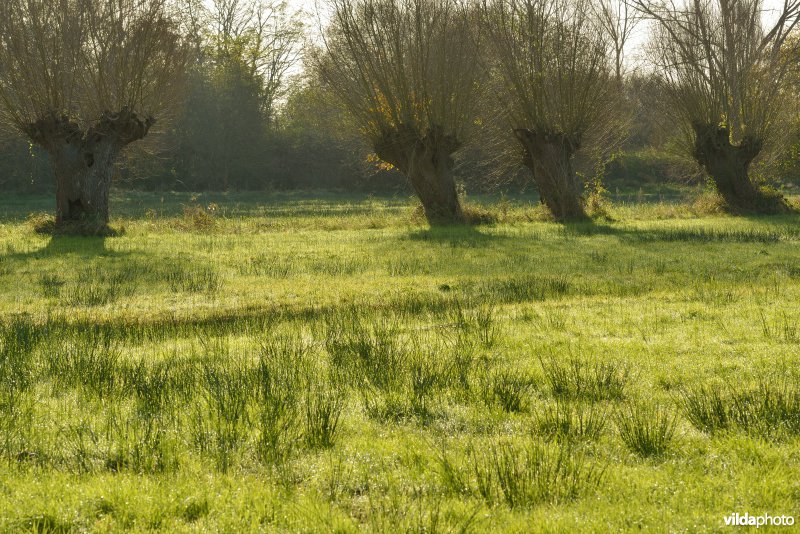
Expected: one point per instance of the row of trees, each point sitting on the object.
(410, 72)
(535, 83)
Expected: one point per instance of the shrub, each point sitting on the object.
(197, 218)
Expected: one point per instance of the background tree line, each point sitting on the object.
(264, 107)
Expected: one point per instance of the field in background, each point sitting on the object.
(280, 362)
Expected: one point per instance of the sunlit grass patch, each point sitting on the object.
(307, 363)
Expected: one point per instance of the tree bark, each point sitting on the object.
(728, 166)
(549, 157)
(83, 160)
(83, 180)
(428, 164)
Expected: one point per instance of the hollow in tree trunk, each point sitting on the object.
(427, 162)
(728, 167)
(549, 157)
(83, 160)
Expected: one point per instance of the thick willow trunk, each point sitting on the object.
(549, 157)
(728, 166)
(83, 160)
(428, 164)
(83, 180)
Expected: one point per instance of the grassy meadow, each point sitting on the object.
(269, 362)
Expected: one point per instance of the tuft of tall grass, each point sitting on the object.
(426, 376)
(510, 389)
(708, 235)
(220, 428)
(387, 405)
(98, 287)
(339, 266)
(283, 368)
(269, 265)
(324, 406)
(599, 257)
(523, 476)
(770, 410)
(460, 365)
(194, 280)
(576, 378)
(648, 430)
(525, 288)
(50, 284)
(89, 363)
(82, 444)
(45, 524)
(404, 266)
(565, 420)
(141, 443)
(479, 321)
(18, 339)
(16, 423)
(368, 352)
(706, 408)
(781, 327)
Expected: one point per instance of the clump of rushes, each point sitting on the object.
(576, 378)
(770, 410)
(566, 420)
(525, 475)
(647, 430)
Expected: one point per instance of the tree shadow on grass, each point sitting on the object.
(775, 230)
(456, 236)
(59, 246)
(589, 227)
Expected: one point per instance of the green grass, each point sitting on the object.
(298, 363)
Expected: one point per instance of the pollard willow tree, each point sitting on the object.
(722, 70)
(83, 79)
(559, 88)
(407, 72)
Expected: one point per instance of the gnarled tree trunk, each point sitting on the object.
(83, 160)
(83, 178)
(728, 166)
(549, 157)
(428, 164)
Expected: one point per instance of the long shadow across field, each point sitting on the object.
(59, 246)
(779, 229)
(456, 236)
